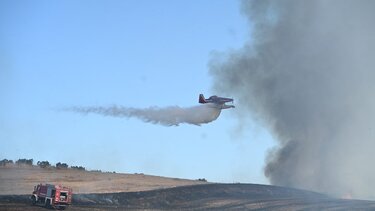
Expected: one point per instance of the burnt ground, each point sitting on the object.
(202, 197)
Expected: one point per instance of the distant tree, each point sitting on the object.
(5, 162)
(43, 164)
(61, 165)
(25, 162)
(202, 180)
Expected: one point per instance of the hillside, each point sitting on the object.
(21, 180)
(111, 191)
(201, 197)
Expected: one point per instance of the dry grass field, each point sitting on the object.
(21, 180)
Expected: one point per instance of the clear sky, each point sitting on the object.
(55, 54)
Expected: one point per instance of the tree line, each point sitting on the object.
(41, 164)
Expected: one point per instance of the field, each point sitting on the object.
(21, 180)
(112, 191)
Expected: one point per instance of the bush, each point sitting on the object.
(25, 162)
(43, 164)
(61, 165)
(78, 168)
(5, 162)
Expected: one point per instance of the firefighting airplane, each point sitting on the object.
(217, 101)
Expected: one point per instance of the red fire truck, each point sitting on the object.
(56, 196)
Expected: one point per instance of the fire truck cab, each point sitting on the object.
(56, 196)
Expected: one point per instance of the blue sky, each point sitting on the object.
(55, 54)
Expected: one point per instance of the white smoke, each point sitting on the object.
(168, 116)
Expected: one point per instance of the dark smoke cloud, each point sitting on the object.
(308, 74)
(168, 116)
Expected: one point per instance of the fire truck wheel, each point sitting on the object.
(48, 203)
(33, 200)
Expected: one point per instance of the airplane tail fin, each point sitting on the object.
(202, 99)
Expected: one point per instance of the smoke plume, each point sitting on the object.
(168, 116)
(308, 74)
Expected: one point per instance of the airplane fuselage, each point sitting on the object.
(218, 102)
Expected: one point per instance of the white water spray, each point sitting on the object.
(168, 116)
